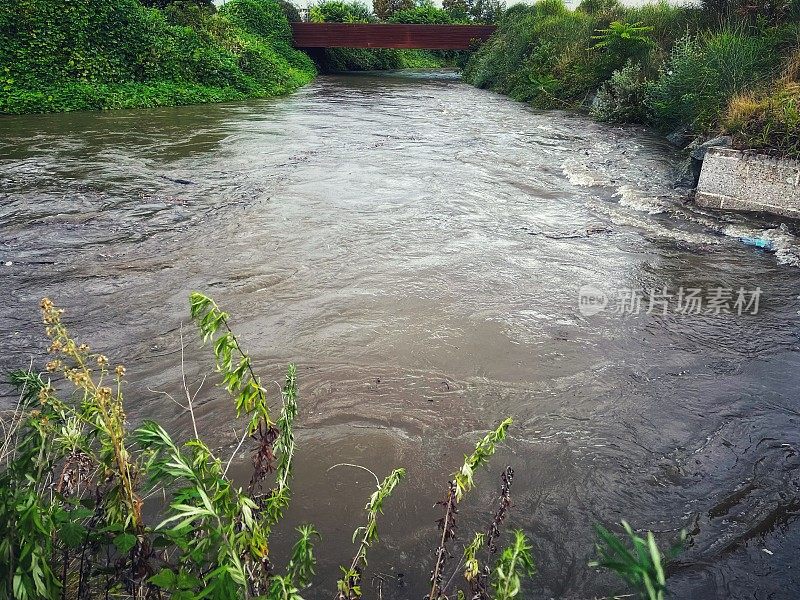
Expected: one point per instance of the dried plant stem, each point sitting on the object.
(235, 452)
(189, 397)
(447, 525)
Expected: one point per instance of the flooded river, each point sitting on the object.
(417, 247)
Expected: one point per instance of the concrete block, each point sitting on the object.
(734, 180)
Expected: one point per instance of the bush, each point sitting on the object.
(264, 18)
(621, 99)
(335, 11)
(751, 12)
(540, 54)
(207, 4)
(702, 74)
(60, 55)
(187, 14)
(769, 121)
(622, 41)
(290, 10)
(668, 23)
(341, 60)
(607, 9)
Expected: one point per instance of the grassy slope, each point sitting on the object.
(687, 70)
(59, 55)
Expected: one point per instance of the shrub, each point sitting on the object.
(541, 55)
(340, 60)
(622, 41)
(207, 4)
(619, 43)
(769, 121)
(754, 12)
(61, 55)
(187, 14)
(702, 74)
(290, 11)
(335, 11)
(264, 18)
(667, 22)
(607, 9)
(621, 99)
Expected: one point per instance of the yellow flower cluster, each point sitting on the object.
(62, 344)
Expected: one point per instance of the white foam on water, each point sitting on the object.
(581, 175)
(624, 218)
(639, 200)
(661, 199)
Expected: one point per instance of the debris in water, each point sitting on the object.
(180, 181)
(762, 243)
(770, 552)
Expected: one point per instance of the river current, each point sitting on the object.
(418, 247)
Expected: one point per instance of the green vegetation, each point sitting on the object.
(74, 481)
(769, 119)
(58, 55)
(695, 70)
(642, 568)
(427, 14)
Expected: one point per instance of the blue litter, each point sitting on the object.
(758, 243)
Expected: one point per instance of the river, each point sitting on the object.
(417, 247)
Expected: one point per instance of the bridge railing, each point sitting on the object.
(389, 35)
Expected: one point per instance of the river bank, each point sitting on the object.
(56, 56)
(688, 71)
(63, 56)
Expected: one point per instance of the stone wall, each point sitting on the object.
(734, 180)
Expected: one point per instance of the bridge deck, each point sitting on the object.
(388, 35)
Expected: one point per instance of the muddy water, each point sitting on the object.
(416, 246)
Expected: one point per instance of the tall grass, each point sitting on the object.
(769, 120)
(703, 73)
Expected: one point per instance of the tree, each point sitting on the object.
(380, 8)
(487, 11)
(423, 15)
(457, 9)
(384, 9)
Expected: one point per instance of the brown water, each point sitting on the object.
(416, 246)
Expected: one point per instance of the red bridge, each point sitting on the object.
(389, 35)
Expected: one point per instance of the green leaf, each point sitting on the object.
(187, 581)
(165, 579)
(125, 542)
(72, 534)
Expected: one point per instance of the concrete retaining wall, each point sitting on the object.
(734, 180)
